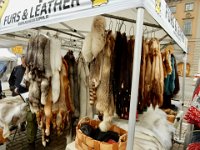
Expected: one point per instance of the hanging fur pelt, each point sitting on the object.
(98, 35)
(83, 82)
(94, 41)
(157, 77)
(56, 63)
(105, 102)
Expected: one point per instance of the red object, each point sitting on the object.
(194, 146)
(111, 141)
(193, 116)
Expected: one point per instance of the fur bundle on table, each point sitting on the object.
(12, 112)
(156, 122)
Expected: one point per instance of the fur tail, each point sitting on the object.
(55, 84)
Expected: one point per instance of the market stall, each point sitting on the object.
(152, 14)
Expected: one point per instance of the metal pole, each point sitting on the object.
(183, 91)
(184, 76)
(135, 78)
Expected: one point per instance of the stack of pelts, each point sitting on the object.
(49, 94)
(97, 49)
(151, 75)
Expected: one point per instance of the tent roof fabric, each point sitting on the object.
(6, 55)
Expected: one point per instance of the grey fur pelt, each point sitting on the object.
(83, 82)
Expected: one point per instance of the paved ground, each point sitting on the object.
(20, 142)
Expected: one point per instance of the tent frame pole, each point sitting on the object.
(135, 78)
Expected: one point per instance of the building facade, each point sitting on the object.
(187, 13)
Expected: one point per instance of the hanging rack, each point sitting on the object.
(58, 30)
(131, 20)
(72, 29)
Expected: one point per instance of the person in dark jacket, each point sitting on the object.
(16, 78)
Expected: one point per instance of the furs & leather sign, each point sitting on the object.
(39, 11)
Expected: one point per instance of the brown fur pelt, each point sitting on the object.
(157, 77)
(143, 68)
(166, 57)
(72, 75)
(105, 102)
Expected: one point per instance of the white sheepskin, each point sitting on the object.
(9, 110)
(156, 121)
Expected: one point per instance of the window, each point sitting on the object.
(187, 27)
(173, 9)
(189, 6)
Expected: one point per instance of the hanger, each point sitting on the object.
(56, 35)
(123, 24)
(132, 27)
(116, 27)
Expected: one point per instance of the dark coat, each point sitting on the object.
(16, 78)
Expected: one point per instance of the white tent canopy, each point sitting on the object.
(6, 55)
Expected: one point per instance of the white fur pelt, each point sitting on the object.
(95, 41)
(98, 35)
(86, 49)
(12, 112)
(44, 90)
(156, 121)
(56, 64)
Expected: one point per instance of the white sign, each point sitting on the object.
(163, 15)
(22, 12)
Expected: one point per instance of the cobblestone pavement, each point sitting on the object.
(20, 142)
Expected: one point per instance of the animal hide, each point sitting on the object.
(86, 49)
(44, 90)
(141, 95)
(98, 35)
(95, 41)
(56, 63)
(48, 112)
(116, 59)
(72, 75)
(177, 85)
(156, 121)
(47, 64)
(105, 103)
(55, 85)
(157, 78)
(34, 96)
(12, 112)
(29, 57)
(83, 82)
